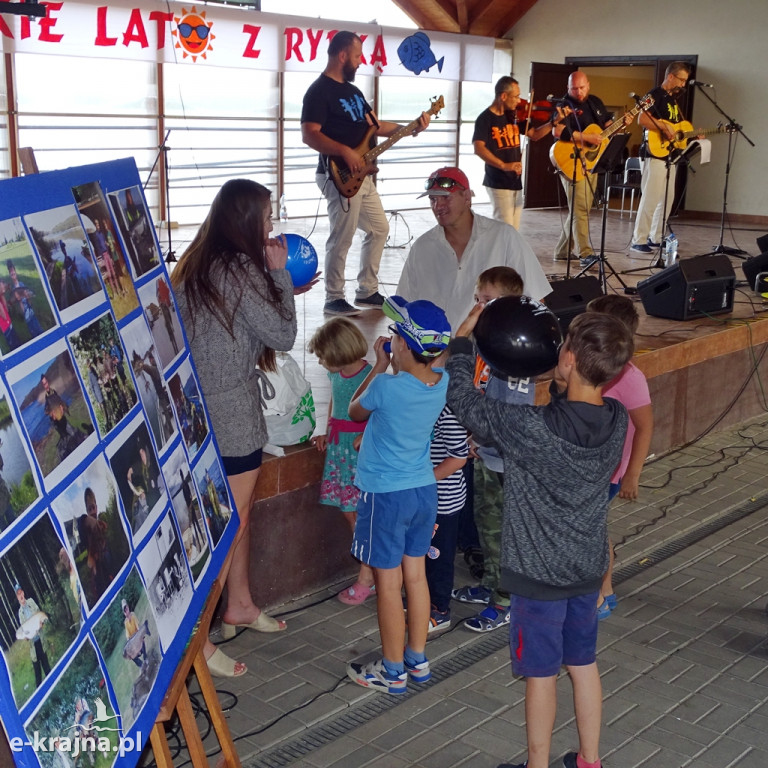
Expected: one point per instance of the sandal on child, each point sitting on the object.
(263, 623)
(356, 594)
(221, 665)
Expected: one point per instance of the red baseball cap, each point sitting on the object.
(443, 180)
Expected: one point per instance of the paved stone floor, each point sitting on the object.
(683, 659)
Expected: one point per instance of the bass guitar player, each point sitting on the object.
(335, 119)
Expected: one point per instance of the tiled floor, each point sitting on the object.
(683, 659)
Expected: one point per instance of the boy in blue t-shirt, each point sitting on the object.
(398, 501)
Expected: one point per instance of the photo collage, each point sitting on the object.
(115, 513)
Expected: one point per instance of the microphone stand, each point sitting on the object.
(578, 158)
(163, 150)
(731, 128)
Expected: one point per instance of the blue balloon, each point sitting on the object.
(302, 259)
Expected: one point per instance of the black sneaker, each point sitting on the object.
(652, 244)
(587, 261)
(339, 307)
(374, 300)
(642, 248)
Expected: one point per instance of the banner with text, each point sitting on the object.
(232, 37)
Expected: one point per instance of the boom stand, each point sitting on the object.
(578, 160)
(607, 165)
(163, 150)
(731, 128)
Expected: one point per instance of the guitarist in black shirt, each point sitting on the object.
(335, 119)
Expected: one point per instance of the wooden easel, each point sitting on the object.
(177, 699)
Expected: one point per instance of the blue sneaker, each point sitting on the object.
(641, 248)
(420, 672)
(374, 675)
(479, 594)
(439, 622)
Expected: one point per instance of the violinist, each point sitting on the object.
(497, 142)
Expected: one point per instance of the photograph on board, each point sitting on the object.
(88, 512)
(137, 472)
(25, 311)
(128, 640)
(39, 613)
(136, 228)
(78, 717)
(18, 481)
(106, 248)
(65, 252)
(187, 510)
(169, 585)
(188, 405)
(103, 367)
(212, 487)
(54, 410)
(142, 356)
(163, 319)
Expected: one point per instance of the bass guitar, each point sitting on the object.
(563, 153)
(349, 183)
(659, 145)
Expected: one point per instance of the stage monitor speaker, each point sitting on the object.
(702, 285)
(570, 298)
(754, 266)
(762, 243)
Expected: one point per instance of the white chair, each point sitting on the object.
(631, 184)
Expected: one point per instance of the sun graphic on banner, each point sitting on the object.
(193, 33)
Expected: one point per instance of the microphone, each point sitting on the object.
(633, 95)
(700, 84)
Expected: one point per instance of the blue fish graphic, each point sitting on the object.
(416, 55)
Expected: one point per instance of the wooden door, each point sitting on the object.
(541, 182)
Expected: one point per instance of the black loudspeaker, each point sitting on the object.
(690, 288)
(754, 266)
(570, 298)
(762, 243)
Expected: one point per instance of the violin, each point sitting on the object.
(540, 112)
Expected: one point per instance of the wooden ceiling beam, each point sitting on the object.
(497, 17)
(436, 15)
(489, 18)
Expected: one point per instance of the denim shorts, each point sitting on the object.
(394, 523)
(545, 634)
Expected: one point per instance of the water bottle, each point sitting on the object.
(283, 210)
(670, 249)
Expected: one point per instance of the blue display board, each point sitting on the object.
(115, 514)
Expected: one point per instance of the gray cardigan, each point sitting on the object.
(227, 366)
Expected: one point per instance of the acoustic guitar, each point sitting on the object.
(563, 153)
(659, 145)
(349, 183)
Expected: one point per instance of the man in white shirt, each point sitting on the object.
(444, 263)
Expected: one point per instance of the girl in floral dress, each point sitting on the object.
(340, 347)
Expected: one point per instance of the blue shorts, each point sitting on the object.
(392, 524)
(236, 465)
(613, 490)
(545, 634)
